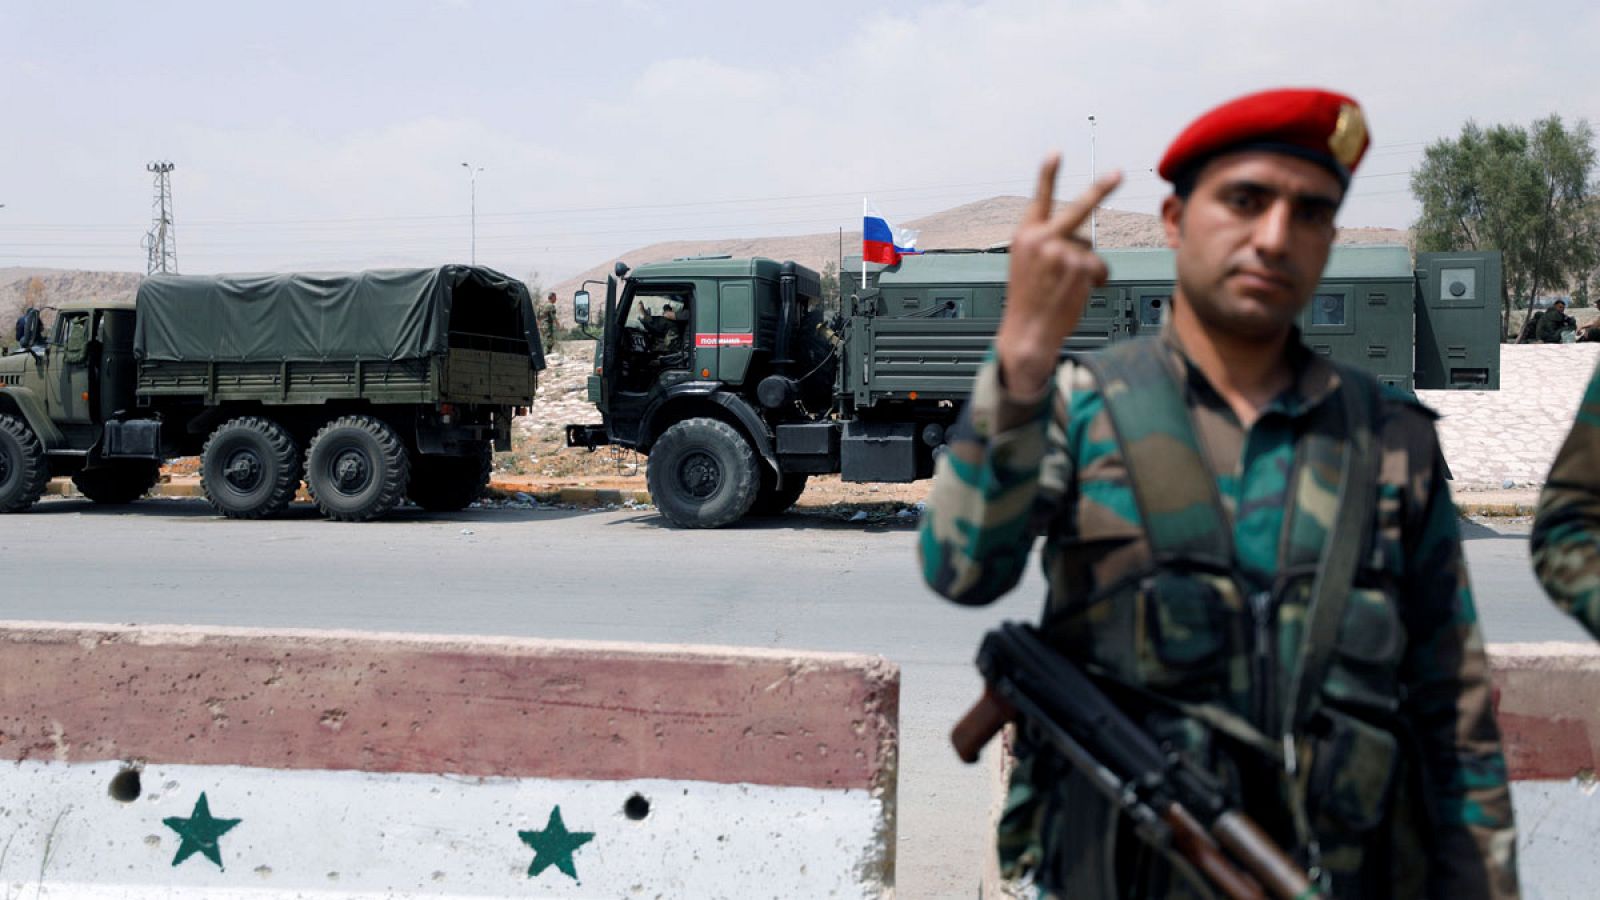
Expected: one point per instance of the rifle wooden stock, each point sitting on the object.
(1195, 845)
(980, 724)
(1245, 841)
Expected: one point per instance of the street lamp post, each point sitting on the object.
(1093, 174)
(474, 170)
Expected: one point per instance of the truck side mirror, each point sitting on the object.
(580, 307)
(28, 328)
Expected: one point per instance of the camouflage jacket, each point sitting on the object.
(1016, 471)
(1566, 532)
(1551, 325)
(549, 320)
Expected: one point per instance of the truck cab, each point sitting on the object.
(64, 395)
(699, 362)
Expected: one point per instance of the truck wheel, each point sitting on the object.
(115, 483)
(702, 474)
(24, 471)
(448, 483)
(773, 501)
(357, 469)
(250, 468)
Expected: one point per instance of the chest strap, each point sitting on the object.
(1176, 491)
(1343, 543)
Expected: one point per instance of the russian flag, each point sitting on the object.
(880, 242)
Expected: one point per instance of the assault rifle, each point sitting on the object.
(1172, 805)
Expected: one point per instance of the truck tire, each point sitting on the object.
(774, 501)
(115, 483)
(250, 468)
(702, 474)
(24, 470)
(449, 483)
(357, 469)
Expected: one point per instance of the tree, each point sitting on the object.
(33, 293)
(1524, 192)
(830, 287)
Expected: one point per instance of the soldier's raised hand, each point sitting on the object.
(1052, 272)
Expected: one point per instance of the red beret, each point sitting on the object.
(1321, 126)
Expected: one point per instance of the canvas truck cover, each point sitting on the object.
(384, 314)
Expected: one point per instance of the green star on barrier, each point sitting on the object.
(199, 832)
(554, 846)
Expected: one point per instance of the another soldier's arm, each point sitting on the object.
(1566, 531)
(1448, 693)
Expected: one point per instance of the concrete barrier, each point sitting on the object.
(231, 763)
(1547, 697)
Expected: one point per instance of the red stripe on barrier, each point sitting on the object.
(469, 706)
(1549, 722)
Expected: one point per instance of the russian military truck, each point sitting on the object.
(370, 387)
(748, 388)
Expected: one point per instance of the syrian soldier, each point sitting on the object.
(1250, 546)
(1552, 322)
(1566, 530)
(550, 324)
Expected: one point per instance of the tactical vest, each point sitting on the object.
(1287, 691)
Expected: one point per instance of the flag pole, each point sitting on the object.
(863, 245)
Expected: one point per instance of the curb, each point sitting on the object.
(574, 496)
(1496, 510)
(601, 497)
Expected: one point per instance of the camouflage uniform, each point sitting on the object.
(549, 327)
(1551, 324)
(1566, 532)
(1407, 690)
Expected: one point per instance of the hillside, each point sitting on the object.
(60, 286)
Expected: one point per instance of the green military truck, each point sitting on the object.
(371, 387)
(756, 389)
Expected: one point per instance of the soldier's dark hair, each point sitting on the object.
(1183, 182)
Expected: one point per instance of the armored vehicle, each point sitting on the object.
(371, 387)
(728, 374)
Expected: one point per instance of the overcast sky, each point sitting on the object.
(331, 135)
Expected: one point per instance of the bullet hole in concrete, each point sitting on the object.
(125, 786)
(636, 808)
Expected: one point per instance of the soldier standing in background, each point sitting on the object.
(550, 324)
(1566, 530)
(1189, 492)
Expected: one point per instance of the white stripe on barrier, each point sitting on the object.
(1556, 825)
(362, 835)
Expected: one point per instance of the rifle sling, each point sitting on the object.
(1345, 543)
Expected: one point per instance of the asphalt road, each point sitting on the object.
(799, 582)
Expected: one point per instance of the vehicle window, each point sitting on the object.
(1328, 309)
(674, 306)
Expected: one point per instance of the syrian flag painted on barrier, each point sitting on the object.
(234, 764)
(882, 242)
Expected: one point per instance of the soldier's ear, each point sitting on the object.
(1172, 219)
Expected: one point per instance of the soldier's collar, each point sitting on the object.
(1315, 378)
